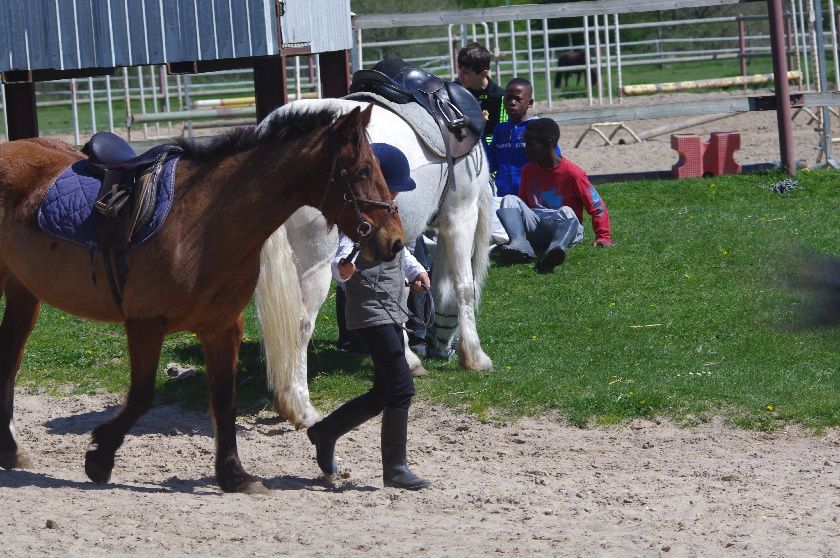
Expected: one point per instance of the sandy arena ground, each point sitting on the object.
(535, 487)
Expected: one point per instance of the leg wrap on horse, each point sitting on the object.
(438, 345)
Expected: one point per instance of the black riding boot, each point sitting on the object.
(325, 432)
(518, 250)
(564, 235)
(395, 473)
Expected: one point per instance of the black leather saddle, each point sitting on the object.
(457, 113)
(126, 199)
(130, 182)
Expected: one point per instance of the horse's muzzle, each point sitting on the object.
(397, 247)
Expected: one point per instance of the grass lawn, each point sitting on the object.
(683, 318)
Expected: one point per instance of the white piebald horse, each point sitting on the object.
(287, 303)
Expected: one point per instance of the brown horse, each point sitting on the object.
(198, 272)
(572, 58)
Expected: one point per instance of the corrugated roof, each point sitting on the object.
(79, 34)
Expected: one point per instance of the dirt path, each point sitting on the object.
(533, 487)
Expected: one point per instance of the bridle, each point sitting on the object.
(364, 227)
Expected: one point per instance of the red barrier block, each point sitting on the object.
(719, 156)
(706, 158)
(690, 148)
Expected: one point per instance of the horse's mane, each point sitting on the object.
(281, 126)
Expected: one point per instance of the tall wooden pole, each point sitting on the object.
(783, 113)
(269, 84)
(335, 73)
(21, 112)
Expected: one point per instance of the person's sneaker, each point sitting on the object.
(419, 349)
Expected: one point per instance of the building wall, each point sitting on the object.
(323, 24)
(76, 34)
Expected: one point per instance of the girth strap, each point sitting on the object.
(450, 162)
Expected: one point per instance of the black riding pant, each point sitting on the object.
(393, 385)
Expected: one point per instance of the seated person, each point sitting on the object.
(547, 213)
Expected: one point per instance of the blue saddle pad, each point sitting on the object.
(67, 211)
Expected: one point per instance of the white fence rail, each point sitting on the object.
(93, 102)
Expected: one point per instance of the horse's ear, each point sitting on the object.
(366, 114)
(348, 126)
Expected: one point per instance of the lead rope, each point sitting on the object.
(429, 308)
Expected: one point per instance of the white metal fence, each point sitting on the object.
(607, 54)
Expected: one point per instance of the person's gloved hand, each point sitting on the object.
(602, 244)
(346, 269)
(421, 283)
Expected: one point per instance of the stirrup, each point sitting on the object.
(111, 203)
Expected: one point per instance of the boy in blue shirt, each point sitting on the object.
(506, 153)
(507, 148)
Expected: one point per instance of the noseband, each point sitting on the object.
(364, 227)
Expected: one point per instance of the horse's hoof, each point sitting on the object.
(251, 485)
(299, 420)
(233, 479)
(310, 417)
(16, 459)
(418, 371)
(480, 363)
(255, 488)
(96, 471)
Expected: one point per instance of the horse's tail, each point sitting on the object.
(279, 311)
(481, 239)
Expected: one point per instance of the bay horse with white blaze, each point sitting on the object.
(198, 271)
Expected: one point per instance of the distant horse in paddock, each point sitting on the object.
(198, 271)
(572, 58)
(462, 218)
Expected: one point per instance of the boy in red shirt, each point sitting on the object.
(553, 193)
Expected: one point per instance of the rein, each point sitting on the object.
(428, 308)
